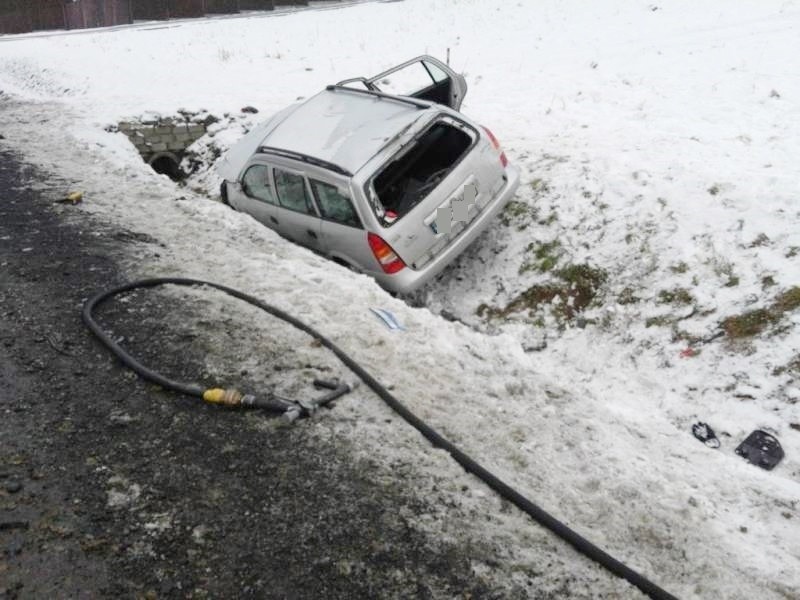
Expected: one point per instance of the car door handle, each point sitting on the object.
(274, 220)
(313, 234)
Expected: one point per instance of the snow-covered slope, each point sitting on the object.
(658, 144)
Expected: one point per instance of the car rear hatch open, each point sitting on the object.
(434, 187)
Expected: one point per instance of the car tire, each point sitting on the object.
(345, 264)
(223, 193)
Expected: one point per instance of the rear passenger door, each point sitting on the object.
(296, 215)
(343, 234)
(423, 77)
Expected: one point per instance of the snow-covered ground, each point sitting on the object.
(658, 144)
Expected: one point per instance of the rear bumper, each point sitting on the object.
(410, 279)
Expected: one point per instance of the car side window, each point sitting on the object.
(407, 81)
(292, 192)
(256, 184)
(334, 205)
(435, 72)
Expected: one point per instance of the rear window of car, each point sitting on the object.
(416, 171)
(335, 205)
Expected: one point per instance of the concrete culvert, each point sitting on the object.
(167, 164)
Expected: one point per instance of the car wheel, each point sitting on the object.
(345, 264)
(223, 193)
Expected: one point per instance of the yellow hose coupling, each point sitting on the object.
(225, 397)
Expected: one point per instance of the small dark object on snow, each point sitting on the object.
(761, 449)
(250, 109)
(12, 486)
(2, 137)
(705, 434)
(14, 549)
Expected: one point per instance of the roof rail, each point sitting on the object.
(305, 158)
(406, 99)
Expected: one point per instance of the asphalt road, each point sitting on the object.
(112, 488)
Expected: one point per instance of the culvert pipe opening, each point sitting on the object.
(167, 164)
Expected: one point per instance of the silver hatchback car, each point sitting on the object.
(383, 175)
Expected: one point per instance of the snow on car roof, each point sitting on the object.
(342, 127)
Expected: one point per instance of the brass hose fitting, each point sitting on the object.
(224, 397)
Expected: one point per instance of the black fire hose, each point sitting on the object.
(235, 398)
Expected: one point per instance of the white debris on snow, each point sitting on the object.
(658, 145)
(122, 493)
(158, 523)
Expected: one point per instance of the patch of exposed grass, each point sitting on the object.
(748, 324)
(788, 300)
(522, 214)
(550, 219)
(792, 367)
(793, 251)
(484, 310)
(659, 321)
(754, 322)
(540, 186)
(544, 256)
(583, 276)
(515, 208)
(679, 335)
(627, 296)
(733, 281)
(538, 322)
(518, 212)
(680, 296)
(574, 288)
(532, 298)
(724, 270)
(761, 240)
(768, 281)
(680, 267)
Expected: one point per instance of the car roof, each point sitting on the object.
(343, 127)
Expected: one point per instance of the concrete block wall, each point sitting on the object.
(162, 143)
(164, 135)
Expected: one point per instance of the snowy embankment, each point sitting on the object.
(658, 208)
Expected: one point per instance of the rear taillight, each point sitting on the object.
(390, 262)
(496, 144)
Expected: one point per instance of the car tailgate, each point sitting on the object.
(477, 178)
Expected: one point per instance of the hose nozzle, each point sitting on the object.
(306, 408)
